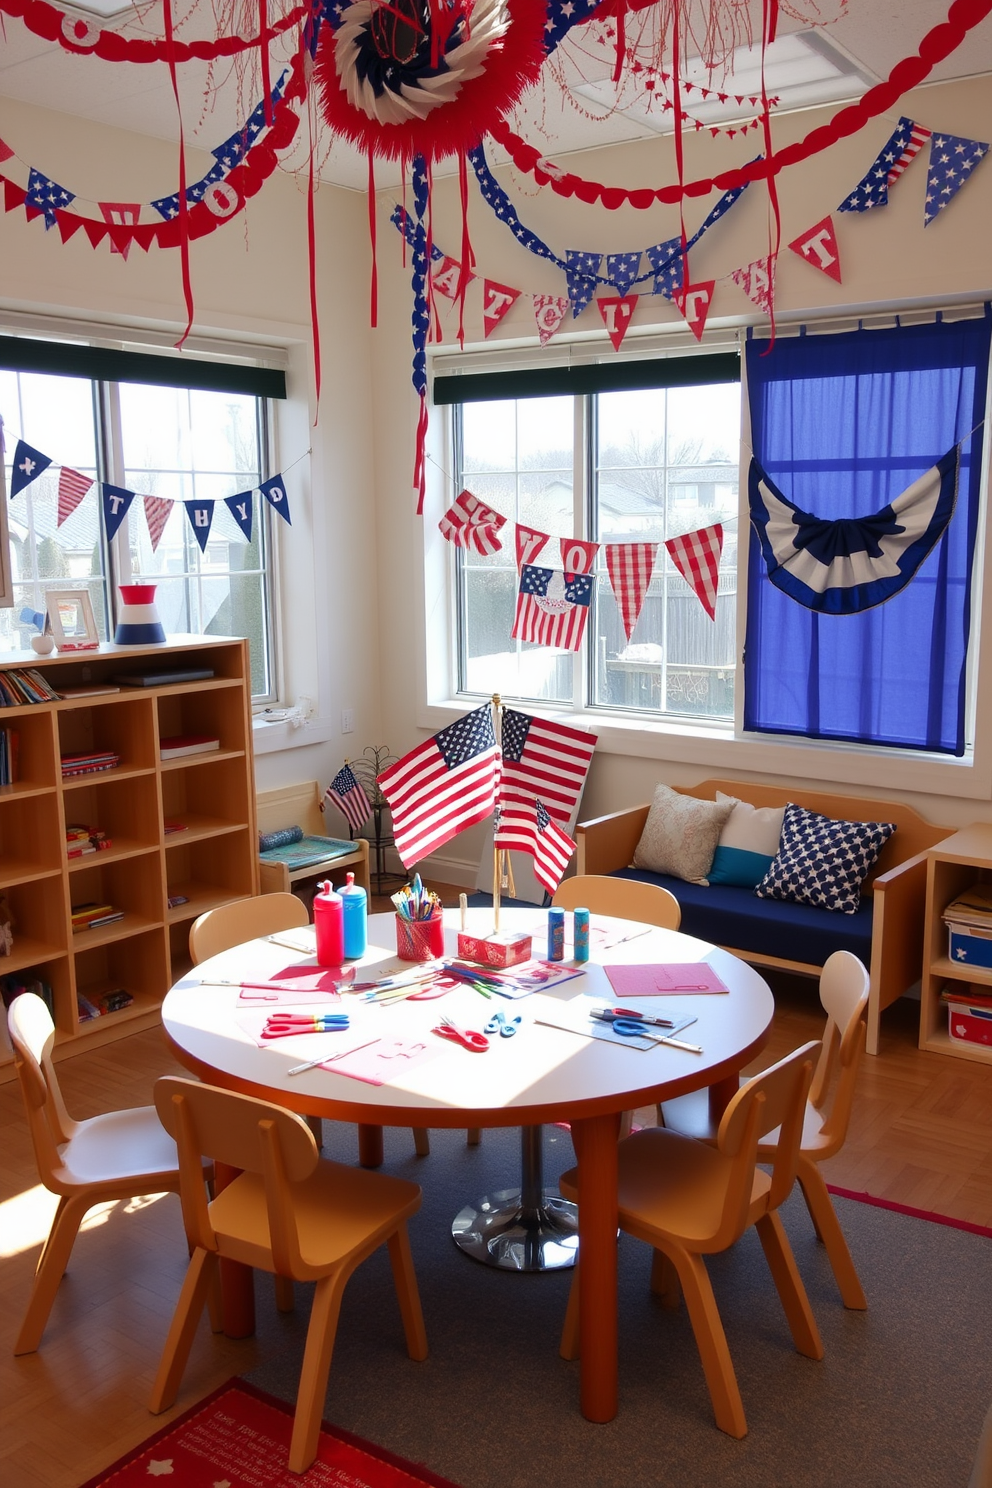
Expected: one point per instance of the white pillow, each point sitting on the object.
(748, 843)
(681, 834)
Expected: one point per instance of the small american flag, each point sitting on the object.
(696, 555)
(545, 761)
(469, 523)
(348, 795)
(903, 146)
(72, 489)
(952, 160)
(630, 566)
(552, 607)
(444, 785)
(531, 830)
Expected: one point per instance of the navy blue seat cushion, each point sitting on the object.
(738, 918)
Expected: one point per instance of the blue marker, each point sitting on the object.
(580, 934)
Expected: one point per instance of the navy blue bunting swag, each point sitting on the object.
(853, 563)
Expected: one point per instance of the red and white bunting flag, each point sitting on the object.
(120, 215)
(549, 312)
(617, 314)
(444, 785)
(818, 246)
(577, 557)
(497, 299)
(157, 512)
(552, 607)
(469, 523)
(532, 831)
(445, 275)
(630, 566)
(72, 489)
(696, 555)
(545, 760)
(694, 301)
(6, 153)
(757, 280)
(528, 542)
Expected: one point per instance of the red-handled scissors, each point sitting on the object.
(288, 1025)
(475, 1042)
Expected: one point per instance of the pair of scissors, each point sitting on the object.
(287, 1025)
(504, 1026)
(469, 1038)
(607, 1015)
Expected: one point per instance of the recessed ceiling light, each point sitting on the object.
(802, 69)
(105, 9)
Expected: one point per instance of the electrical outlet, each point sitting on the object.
(347, 720)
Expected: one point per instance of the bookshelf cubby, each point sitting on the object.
(212, 858)
(953, 866)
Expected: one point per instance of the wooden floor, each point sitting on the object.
(922, 1136)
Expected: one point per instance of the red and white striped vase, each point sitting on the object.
(138, 623)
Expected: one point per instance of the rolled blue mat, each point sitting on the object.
(283, 838)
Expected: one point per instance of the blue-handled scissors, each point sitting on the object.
(504, 1026)
(288, 1025)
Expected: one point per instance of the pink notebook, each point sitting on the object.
(671, 980)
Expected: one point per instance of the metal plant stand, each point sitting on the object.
(368, 769)
(530, 1228)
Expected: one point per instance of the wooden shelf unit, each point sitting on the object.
(213, 860)
(952, 867)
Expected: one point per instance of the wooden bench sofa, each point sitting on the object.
(886, 933)
(299, 806)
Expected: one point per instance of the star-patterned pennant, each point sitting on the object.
(158, 510)
(580, 277)
(274, 492)
(201, 516)
(902, 147)
(549, 312)
(696, 555)
(952, 160)
(234, 150)
(630, 566)
(757, 280)
(818, 246)
(577, 557)
(29, 463)
(528, 543)
(666, 261)
(72, 489)
(115, 501)
(617, 315)
(47, 196)
(621, 270)
(694, 302)
(497, 299)
(241, 508)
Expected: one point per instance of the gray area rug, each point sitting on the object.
(898, 1399)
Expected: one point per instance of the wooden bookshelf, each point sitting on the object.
(212, 860)
(953, 866)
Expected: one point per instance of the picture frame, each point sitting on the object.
(73, 624)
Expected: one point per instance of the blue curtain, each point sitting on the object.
(842, 424)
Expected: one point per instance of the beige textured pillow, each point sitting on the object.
(681, 834)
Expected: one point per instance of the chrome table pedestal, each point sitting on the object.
(530, 1228)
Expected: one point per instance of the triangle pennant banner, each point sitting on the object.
(899, 150)
(29, 463)
(157, 513)
(275, 494)
(95, 231)
(617, 315)
(577, 557)
(445, 276)
(694, 302)
(549, 312)
(580, 276)
(497, 299)
(72, 489)
(630, 566)
(6, 153)
(68, 225)
(528, 543)
(241, 508)
(621, 270)
(469, 523)
(13, 195)
(952, 160)
(696, 555)
(666, 261)
(116, 501)
(757, 280)
(201, 516)
(818, 246)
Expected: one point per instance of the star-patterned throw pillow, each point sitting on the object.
(821, 861)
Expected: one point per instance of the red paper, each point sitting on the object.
(818, 246)
(672, 980)
(379, 1063)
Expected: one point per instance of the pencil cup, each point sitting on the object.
(419, 940)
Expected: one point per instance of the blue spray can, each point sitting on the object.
(580, 934)
(355, 903)
(556, 935)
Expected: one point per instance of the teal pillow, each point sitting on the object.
(735, 867)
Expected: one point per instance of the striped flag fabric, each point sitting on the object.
(72, 489)
(899, 150)
(444, 785)
(157, 512)
(469, 523)
(696, 555)
(531, 830)
(347, 793)
(552, 607)
(630, 566)
(543, 760)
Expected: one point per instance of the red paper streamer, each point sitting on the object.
(183, 203)
(57, 25)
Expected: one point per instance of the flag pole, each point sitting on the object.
(496, 873)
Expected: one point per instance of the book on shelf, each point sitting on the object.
(309, 852)
(92, 916)
(89, 764)
(165, 678)
(179, 745)
(91, 689)
(85, 1008)
(112, 1002)
(171, 827)
(80, 841)
(9, 750)
(15, 983)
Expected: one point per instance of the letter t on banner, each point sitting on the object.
(818, 246)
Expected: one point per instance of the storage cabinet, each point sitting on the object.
(182, 831)
(953, 866)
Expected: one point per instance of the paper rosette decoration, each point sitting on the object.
(426, 77)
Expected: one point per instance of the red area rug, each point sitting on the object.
(239, 1438)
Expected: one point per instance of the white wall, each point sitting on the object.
(250, 281)
(887, 259)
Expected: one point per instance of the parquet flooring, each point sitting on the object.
(921, 1135)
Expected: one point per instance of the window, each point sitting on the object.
(176, 443)
(631, 464)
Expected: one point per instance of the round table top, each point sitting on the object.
(543, 1073)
